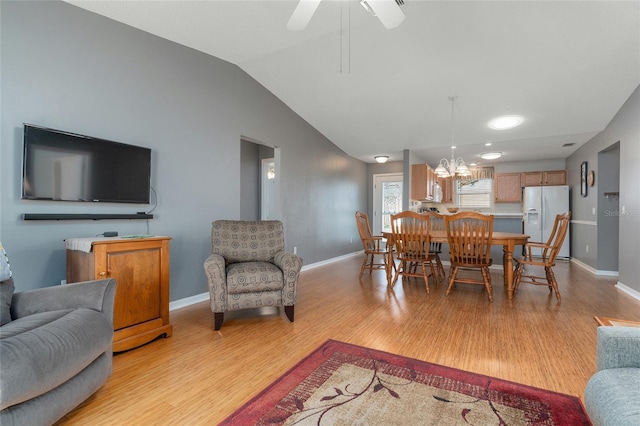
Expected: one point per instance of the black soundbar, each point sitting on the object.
(87, 216)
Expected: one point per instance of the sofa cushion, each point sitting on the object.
(40, 352)
(612, 397)
(6, 287)
(6, 294)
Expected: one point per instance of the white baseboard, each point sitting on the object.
(188, 301)
(192, 300)
(631, 292)
(593, 270)
(328, 261)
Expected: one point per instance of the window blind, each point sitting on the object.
(475, 193)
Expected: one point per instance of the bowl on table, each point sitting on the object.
(453, 209)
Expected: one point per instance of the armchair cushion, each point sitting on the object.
(253, 276)
(246, 241)
(612, 395)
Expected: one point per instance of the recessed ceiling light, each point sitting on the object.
(506, 122)
(490, 155)
(487, 144)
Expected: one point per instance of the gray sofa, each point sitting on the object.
(55, 349)
(612, 395)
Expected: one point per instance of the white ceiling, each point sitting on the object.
(565, 66)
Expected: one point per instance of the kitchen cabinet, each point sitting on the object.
(447, 186)
(140, 267)
(542, 178)
(423, 179)
(507, 188)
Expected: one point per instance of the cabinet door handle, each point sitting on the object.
(103, 274)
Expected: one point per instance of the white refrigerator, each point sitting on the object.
(540, 206)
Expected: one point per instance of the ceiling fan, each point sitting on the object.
(388, 11)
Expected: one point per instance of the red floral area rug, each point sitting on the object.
(344, 384)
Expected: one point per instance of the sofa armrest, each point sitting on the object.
(215, 270)
(97, 295)
(291, 264)
(618, 347)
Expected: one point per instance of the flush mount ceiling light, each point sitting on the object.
(455, 165)
(506, 122)
(387, 11)
(381, 158)
(491, 155)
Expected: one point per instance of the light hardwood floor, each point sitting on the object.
(199, 376)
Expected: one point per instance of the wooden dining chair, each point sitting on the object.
(437, 224)
(372, 245)
(411, 242)
(546, 258)
(469, 236)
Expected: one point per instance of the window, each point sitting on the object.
(475, 193)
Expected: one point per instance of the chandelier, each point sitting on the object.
(454, 166)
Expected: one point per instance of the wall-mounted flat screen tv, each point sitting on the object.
(63, 166)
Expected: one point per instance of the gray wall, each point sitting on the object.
(66, 68)
(625, 129)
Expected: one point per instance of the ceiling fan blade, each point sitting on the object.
(388, 12)
(302, 14)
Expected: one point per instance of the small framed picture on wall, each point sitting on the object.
(583, 178)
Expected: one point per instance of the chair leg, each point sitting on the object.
(552, 278)
(218, 319)
(452, 277)
(399, 270)
(364, 264)
(288, 310)
(517, 276)
(441, 271)
(486, 277)
(424, 274)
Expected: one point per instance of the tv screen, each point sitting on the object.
(64, 166)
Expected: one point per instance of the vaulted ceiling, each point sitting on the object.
(565, 66)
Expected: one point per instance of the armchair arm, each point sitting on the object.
(215, 270)
(97, 295)
(372, 243)
(618, 347)
(533, 244)
(291, 265)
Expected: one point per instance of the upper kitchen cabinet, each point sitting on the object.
(550, 177)
(422, 182)
(507, 188)
(446, 184)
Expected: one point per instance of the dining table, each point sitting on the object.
(508, 241)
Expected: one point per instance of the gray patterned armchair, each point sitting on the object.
(248, 268)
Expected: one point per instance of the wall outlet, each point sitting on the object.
(587, 248)
(295, 250)
(593, 210)
(63, 282)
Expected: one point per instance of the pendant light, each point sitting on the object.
(454, 166)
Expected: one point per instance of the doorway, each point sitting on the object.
(259, 191)
(387, 200)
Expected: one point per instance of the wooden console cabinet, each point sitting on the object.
(141, 268)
